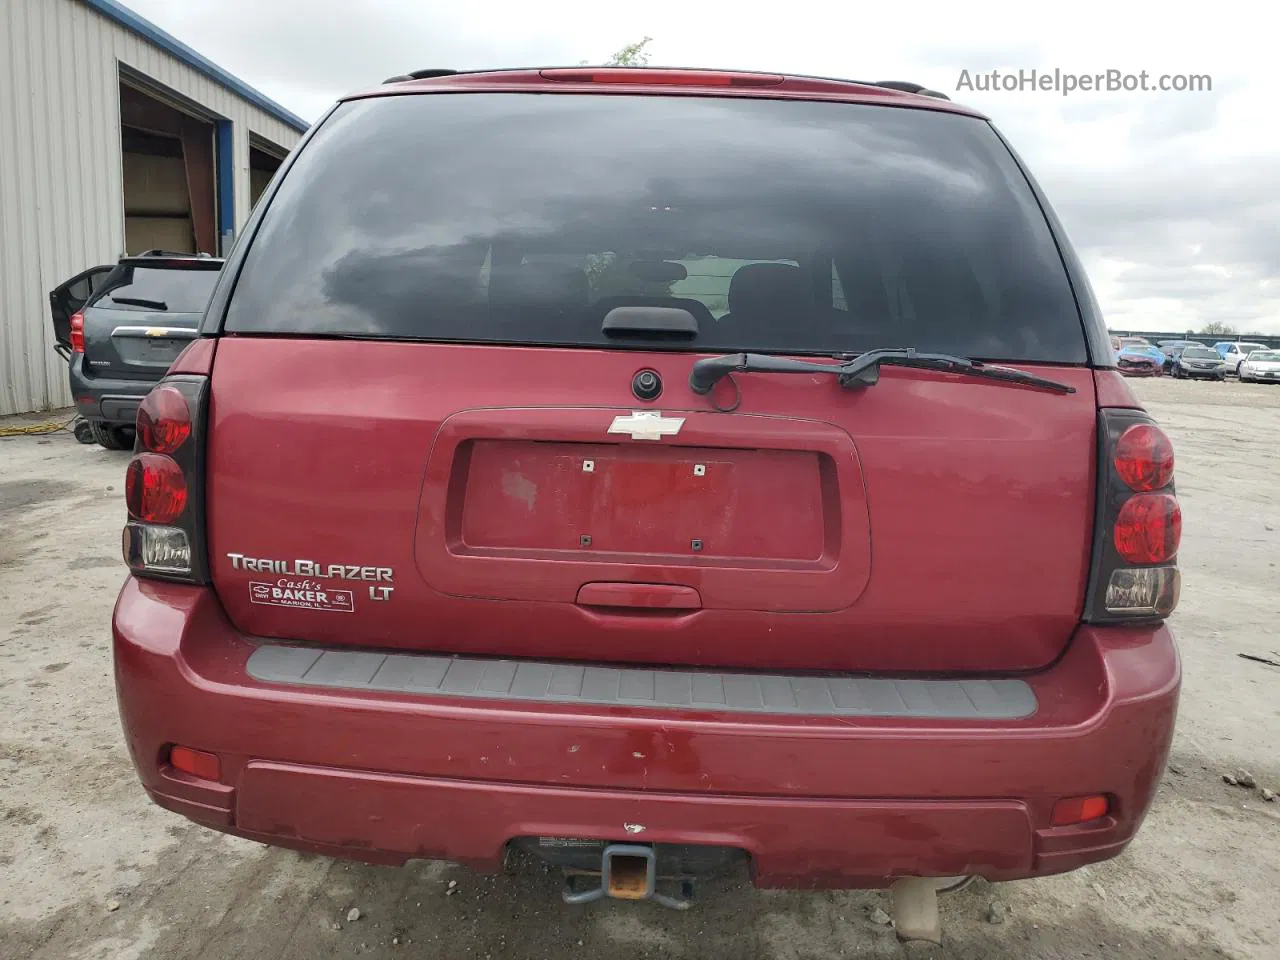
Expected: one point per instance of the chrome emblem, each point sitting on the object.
(647, 425)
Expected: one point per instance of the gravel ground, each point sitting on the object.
(89, 869)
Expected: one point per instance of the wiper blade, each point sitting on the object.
(862, 370)
(139, 302)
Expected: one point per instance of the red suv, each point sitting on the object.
(654, 470)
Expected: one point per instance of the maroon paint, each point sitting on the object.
(932, 524)
(791, 88)
(1114, 390)
(815, 801)
(196, 358)
(977, 510)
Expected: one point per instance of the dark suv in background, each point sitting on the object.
(122, 326)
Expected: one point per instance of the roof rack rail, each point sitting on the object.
(906, 86)
(425, 74)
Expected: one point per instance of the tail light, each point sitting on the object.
(164, 420)
(155, 488)
(1139, 523)
(1148, 528)
(164, 483)
(77, 333)
(1144, 458)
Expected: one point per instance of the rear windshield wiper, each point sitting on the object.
(139, 302)
(862, 370)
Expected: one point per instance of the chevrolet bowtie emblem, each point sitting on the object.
(647, 425)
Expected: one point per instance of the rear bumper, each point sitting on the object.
(1215, 374)
(107, 399)
(814, 801)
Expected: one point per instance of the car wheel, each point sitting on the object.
(83, 431)
(112, 437)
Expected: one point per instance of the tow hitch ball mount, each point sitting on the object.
(627, 872)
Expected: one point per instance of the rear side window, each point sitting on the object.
(781, 226)
(152, 289)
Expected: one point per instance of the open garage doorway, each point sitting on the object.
(169, 174)
(265, 159)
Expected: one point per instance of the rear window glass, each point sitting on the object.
(781, 226)
(173, 290)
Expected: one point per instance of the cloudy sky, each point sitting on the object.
(1173, 199)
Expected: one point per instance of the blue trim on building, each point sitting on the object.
(224, 145)
(118, 13)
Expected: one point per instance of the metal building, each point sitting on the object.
(114, 138)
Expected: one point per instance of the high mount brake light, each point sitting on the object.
(77, 333)
(641, 76)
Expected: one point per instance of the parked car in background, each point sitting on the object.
(1171, 349)
(1140, 361)
(1233, 353)
(122, 326)
(1260, 366)
(1199, 362)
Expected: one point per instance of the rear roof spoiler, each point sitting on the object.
(171, 255)
(904, 86)
(199, 261)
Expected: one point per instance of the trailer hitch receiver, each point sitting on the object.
(627, 872)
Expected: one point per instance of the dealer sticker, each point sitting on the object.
(302, 594)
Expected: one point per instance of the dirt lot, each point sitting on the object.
(88, 869)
